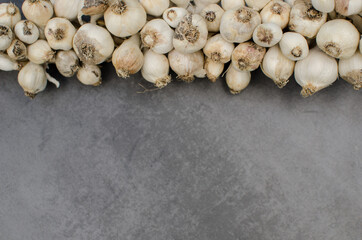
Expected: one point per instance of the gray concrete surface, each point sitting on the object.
(189, 162)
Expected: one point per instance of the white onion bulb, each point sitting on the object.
(316, 72)
(93, 44)
(156, 69)
(190, 34)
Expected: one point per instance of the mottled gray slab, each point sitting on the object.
(190, 161)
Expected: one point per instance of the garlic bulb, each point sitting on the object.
(38, 11)
(348, 7)
(294, 46)
(213, 69)
(196, 6)
(256, 4)
(90, 75)
(237, 80)
(276, 12)
(277, 67)
(315, 72)
(190, 34)
(6, 37)
(17, 50)
(218, 49)
(350, 69)
(8, 64)
(290, 2)
(338, 38)
(127, 59)
(247, 56)
(60, 32)
(212, 15)
(67, 63)
(324, 6)
(174, 15)
(155, 7)
(94, 7)
(93, 44)
(33, 79)
(232, 4)
(305, 20)
(156, 69)
(27, 31)
(181, 3)
(267, 34)
(67, 8)
(40, 52)
(356, 21)
(125, 18)
(9, 14)
(157, 35)
(187, 65)
(238, 25)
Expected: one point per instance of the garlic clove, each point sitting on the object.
(338, 38)
(348, 7)
(59, 33)
(6, 37)
(325, 6)
(267, 34)
(187, 65)
(17, 50)
(128, 58)
(277, 12)
(38, 11)
(218, 49)
(237, 80)
(238, 25)
(157, 35)
(316, 72)
(27, 31)
(306, 20)
(67, 63)
(155, 7)
(232, 4)
(93, 44)
(256, 4)
(40, 52)
(350, 69)
(174, 15)
(9, 14)
(294, 46)
(125, 18)
(8, 64)
(277, 67)
(213, 69)
(247, 56)
(212, 14)
(156, 69)
(90, 75)
(191, 34)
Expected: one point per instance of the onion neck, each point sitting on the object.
(11, 9)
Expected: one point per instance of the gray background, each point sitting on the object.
(190, 161)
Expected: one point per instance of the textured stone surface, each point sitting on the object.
(188, 162)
